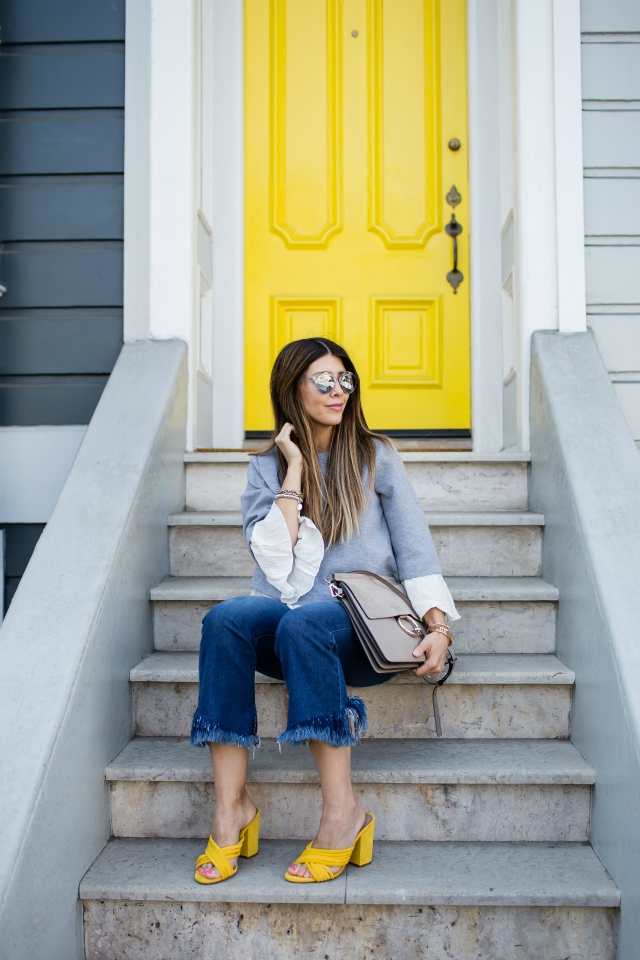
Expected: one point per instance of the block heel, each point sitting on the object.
(363, 849)
(317, 861)
(250, 837)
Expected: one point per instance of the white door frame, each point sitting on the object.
(544, 152)
(228, 224)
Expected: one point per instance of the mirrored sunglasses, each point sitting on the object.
(325, 382)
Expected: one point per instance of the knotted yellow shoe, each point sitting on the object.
(221, 857)
(318, 861)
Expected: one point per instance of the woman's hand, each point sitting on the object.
(287, 447)
(435, 646)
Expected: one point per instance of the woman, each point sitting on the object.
(328, 495)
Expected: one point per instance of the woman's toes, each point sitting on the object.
(208, 870)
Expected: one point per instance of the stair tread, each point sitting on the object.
(413, 456)
(402, 872)
(457, 518)
(505, 589)
(497, 668)
(374, 761)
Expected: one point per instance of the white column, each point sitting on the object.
(536, 222)
(228, 224)
(484, 191)
(172, 214)
(160, 191)
(137, 107)
(572, 312)
(172, 245)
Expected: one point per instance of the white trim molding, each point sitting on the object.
(484, 190)
(137, 161)
(228, 224)
(160, 300)
(536, 300)
(567, 79)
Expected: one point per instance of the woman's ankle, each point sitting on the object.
(336, 809)
(233, 809)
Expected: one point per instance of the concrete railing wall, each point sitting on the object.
(585, 478)
(79, 621)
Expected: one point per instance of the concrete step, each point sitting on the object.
(440, 900)
(488, 696)
(445, 481)
(499, 614)
(204, 544)
(419, 790)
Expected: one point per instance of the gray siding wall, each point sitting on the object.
(611, 124)
(61, 217)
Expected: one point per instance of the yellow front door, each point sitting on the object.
(353, 110)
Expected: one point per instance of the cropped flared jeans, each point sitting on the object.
(312, 648)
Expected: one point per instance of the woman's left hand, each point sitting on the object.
(435, 646)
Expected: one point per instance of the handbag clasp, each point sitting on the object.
(412, 627)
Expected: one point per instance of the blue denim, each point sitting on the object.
(312, 648)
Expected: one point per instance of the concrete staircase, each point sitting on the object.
(482, 837)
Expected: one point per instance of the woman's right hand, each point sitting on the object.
(287, 447)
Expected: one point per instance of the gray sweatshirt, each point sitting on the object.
(394, 538)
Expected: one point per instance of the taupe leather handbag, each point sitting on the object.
(387, 626)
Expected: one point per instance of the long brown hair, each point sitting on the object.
(336, 509)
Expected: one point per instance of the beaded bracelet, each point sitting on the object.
(293, 494)
(289, 495)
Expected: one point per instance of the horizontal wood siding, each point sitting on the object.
(85, 207)
(611, 124)
(61, 217)
(59, 21)
(61, 206)
(47, 341)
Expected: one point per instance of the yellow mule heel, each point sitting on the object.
(318, 861)
(221, 857)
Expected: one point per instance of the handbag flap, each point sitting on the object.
(376, 601)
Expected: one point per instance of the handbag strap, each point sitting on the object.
(434, 684)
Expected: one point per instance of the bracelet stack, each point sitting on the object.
(441, 628)
(283, 494)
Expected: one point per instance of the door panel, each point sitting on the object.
(347, 168)
(404, 207)
(295, 319)
(305, 122)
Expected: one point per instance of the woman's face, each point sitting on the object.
(324, 408)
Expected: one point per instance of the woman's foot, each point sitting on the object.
(338, 830)
(225, 830)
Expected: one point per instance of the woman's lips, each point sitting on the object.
(335, 406)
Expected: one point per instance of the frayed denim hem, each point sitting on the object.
(342, 729)
(204, 731)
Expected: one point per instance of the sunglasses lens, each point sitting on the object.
(325, 382)
(348, 382)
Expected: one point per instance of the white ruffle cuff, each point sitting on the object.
(432, 591)
(290, 570)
